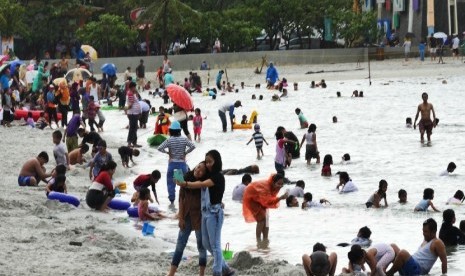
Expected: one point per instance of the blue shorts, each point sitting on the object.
(24, 180)
(411, 267)
(279, 168)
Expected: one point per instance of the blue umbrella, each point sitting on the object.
(13, 66)
(109, 69)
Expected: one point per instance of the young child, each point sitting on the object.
(291, 201)
(345, 158)
(162, 123)
(58, 170)
(327, 162)
(30, 120)
(308, 203)
(244, 120)
(345, 183)
(59, 151)
(302, 120)
(450, 169)
(422, 206)
(375, 199)
(402, 194)
(408, 122)
(363, 237)
(143, 207)
(76, 156)
(259, 139)
(298, 190)
(197, 121)
(92, 110)
(457, 198)
(145, 181)
(238, 191)
(311, 150)
(42, 122)
(58, 185)
(126, 154)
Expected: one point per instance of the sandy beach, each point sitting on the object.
(35, 233)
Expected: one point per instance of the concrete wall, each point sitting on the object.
(241, 59)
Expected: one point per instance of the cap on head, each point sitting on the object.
(175, 125)
(237, 104)
(256, 127)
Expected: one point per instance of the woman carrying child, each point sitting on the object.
(375, 199)
(190, 219)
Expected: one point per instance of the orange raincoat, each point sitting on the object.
(259, 196)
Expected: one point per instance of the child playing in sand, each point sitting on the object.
(302, 120)
(457, 198)
(58, 185)
(126, 154)
(298, 190)
(244, 120)
(41, 122)
(30, 120)
(311, 150)
(402, 194)
(450, 169)
(327, 162)
(422, 206)
(375, 199)
(145, 181)
(143, 207)
(76, 156)
(309, 203)
(197, 121)
(259, 139)
(59, 151)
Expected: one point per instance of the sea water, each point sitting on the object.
(371, 129)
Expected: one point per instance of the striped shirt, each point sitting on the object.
(258, 139)
(133, 103)
(177, 147)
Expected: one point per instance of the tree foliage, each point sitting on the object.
(109, 30)
(11, 19)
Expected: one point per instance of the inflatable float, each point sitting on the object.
(156, 140)
(64, 198)
(133, 211)
(20, 113)
(119, 204)
(249, 125)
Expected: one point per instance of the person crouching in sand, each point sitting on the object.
(33, 171)
(101, 191)
(258, 197)
(319, 263)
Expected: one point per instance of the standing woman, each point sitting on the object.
(190, 218)
(177, 148)
(133, 111)
(212, 211)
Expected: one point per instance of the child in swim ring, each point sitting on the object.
(58, 185)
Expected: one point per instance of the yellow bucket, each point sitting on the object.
(122, 186)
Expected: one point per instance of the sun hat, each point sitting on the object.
(175, 125)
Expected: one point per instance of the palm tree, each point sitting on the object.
(172, 16)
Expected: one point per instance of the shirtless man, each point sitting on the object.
(423, 260)
(425, 122)
(33, 171)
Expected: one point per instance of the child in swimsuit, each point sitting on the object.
(302, 120)
(58, 185)
(143, 207)
(327, 162)
(428, 195)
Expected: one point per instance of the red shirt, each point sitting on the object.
(104, 178)
(142, 180)
(326, 170)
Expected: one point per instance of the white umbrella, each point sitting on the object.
(440, 35)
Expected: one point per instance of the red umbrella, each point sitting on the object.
(180, 96)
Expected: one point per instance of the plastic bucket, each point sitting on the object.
(148, 229)
(227, 254)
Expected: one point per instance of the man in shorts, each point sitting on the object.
(423, 260)
(33, 171)
(425, 124)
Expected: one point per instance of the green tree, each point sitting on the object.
(169, 18)
(356, 28)
(11, 19)
(109, 32)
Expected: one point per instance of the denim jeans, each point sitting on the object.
(223, 120)
(169, 178)
(132, 134)
(422, 55)
(212, 222)
(183, 236)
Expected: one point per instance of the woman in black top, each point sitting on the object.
(212, 211)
